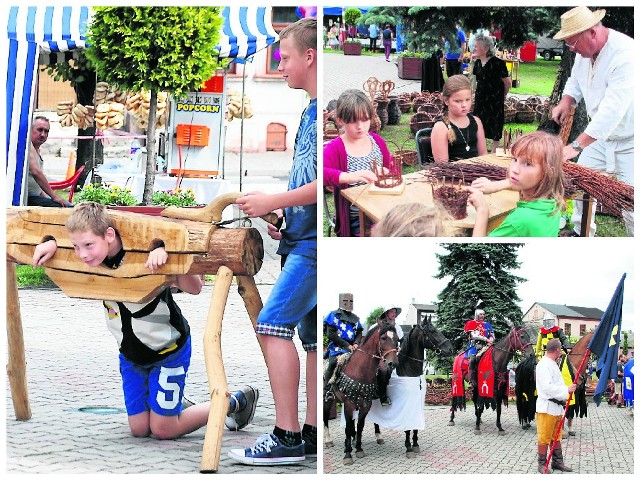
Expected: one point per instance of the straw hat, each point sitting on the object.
(577, 20)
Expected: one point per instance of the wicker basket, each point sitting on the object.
(430, 108)
(421, 120)
(509, 114)
(405, 106)
(404, 156)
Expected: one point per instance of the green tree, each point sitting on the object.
(155, 49)
(478, 271)
(374, 315)
(352, 15)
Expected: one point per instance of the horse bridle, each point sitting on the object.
(514, 344)
(381, 355)
(434, 346)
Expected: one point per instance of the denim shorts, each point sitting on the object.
(159, 386)
(292, 303)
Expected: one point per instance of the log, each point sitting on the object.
(17, 363)
(218, 388)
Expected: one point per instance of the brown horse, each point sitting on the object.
(526, 384)
(516, 340)
(355, 384)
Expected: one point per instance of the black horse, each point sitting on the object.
(517, 339)
(355, 384)
(411, 364)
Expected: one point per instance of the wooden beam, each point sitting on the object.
(218, 388)
(17, 364)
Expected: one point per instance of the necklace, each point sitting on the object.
(466, 145)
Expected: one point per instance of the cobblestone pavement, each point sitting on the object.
(603, 444)
(72, 362)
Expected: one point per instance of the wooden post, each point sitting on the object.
(249, 293)
(218, 388)
(17, 365)
(587, 210)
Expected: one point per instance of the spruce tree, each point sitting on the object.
(478, 271)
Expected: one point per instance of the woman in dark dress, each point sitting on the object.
(492, 85)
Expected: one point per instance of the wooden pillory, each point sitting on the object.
(195, 246)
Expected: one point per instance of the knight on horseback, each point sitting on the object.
(344, 332)
(548, 331)
(480, 336)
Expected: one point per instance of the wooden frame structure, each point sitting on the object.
(195, 246)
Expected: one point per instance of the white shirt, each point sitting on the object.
(550, 384)
(607, 87)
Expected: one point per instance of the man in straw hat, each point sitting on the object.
(602, 75)
(388, 316)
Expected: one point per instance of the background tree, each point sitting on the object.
(155, 49)
(351, 16)
(374, 315)
(477, 271)
(80, 73)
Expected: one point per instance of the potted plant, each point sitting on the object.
(119, 198)
(352, 47)
(410, 65)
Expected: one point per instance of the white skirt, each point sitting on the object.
(406, 411)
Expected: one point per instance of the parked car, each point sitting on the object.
(548, 48)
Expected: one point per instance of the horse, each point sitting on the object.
(410, 364)
(355, 384)
(526, 385)
(500, 353)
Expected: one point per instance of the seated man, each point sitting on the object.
(39, 190)
(480, 335)
(344, 332)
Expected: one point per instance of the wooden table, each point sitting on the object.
(374, 206)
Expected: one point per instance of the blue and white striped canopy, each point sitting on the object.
(46, 32)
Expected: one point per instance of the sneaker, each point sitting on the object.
(268, 450)
(385, 401)
(310, 444)
(241, 417)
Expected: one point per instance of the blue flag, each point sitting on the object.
(605, 342)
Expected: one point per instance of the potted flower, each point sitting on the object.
(119, 198)
(410, 65)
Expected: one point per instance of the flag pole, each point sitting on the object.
(566, 408)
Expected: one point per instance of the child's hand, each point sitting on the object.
(157, 258)
(477, 199)
(366, 176)
(44, 252)
(483, 184)
(255, 204)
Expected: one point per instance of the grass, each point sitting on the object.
(29, 276)
(537, 78)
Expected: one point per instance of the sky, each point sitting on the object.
(568, 272)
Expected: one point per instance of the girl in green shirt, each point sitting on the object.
(536, 172)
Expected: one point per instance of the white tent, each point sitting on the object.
(53, 30)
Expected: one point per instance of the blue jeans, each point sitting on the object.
(292, 303)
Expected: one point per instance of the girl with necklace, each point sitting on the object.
(458, 134)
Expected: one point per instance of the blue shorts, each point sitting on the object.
(292, 303)
(159, 386)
